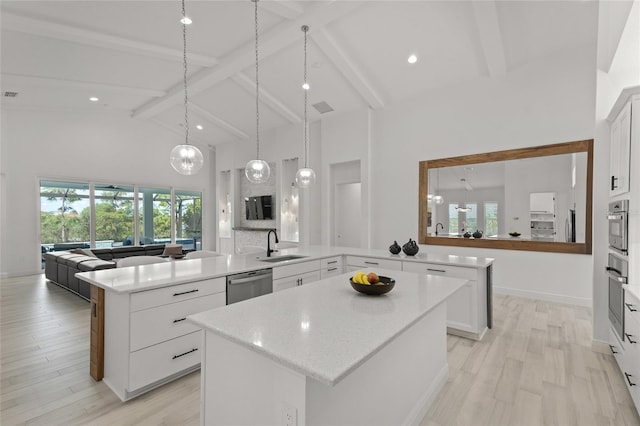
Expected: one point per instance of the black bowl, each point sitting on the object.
(384, 285)
(514, 234)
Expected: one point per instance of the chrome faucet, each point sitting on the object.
(269, 251)
(439, 224)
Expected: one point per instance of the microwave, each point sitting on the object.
(618, 226)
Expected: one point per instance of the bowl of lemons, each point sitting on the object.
(371, 283)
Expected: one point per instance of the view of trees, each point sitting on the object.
(114, 216)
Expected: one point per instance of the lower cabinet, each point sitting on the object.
(630, 365)
(148, 341)
(289, 276)
(467, 307)
(355, 263)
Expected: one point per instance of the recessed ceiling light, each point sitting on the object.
(186, 20)
(412, 59)
(305, 86)
(94, 99)
(199, 127)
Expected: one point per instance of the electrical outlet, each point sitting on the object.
(290, 415)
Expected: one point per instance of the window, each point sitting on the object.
(470, 218)
(188, 213)
(154, 207)
(491, 219)
(64, 215)
(453, 218)
(114, 209)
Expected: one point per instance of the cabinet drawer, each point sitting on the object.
(442, 270)
(330, 272)
(331, 262)
(295, 269)
(176, 293)
(631, 324)
(167, 322)
(372, 262)
(616, 348)
(160, 361)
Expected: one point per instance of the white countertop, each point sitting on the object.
(326, 329)
(146, 277)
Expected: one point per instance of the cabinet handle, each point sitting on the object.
(612, 349)
(94, 310)
(178, 320)
(627, 375)
(332, 269)
(613, 183)
(629, 336)
(630, 306)
(331, 262)
(185, 292)
(186, 353)
(436, 270)
(371, 263)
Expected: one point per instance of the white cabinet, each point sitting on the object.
(148, 341)
(467, 308)
(288, 276)
(619, 154)
(330, 267)
(355, 263)
(542, 211)
(631, 344)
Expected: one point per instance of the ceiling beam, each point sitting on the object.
(286, 9)
(24, 81)
(18, 23)
(250, 86)
(274, 40)
(347, 68)
(218, 122)
(486, 15)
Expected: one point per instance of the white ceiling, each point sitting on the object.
(56, 54)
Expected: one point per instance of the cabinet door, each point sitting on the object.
(309, 277)
(619, 163)
(285, 283)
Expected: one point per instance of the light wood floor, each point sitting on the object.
(535, 367)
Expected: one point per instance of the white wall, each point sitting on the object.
(95, 147)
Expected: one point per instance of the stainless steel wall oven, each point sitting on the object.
(618, 226)
(617, 269)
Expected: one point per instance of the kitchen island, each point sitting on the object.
(139, 336)
(325, 354)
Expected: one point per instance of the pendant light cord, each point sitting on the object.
(184, 65)
(305, 28)
(257, 87)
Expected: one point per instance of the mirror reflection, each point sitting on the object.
(538, 199)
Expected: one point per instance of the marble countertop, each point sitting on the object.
(326, 329)
(146, 277)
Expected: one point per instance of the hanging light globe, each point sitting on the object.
(186, 159)
(305, 177)
(438, 199)
(257, 171)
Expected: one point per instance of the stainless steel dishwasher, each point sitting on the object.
(248, 285)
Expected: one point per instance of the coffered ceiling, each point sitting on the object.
(57, 54)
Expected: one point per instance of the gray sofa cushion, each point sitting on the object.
(126, 251)
(96, 265)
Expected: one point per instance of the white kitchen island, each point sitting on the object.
(324, 354)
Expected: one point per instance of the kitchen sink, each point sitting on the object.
(274, 259)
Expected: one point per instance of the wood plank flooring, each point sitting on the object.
(535, 367)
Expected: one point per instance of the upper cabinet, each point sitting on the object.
(620, 151)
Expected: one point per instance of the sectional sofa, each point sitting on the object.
(61, 266)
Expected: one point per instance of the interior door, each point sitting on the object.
(348, 212)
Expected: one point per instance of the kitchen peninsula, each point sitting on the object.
(147, 341)
(326, 354)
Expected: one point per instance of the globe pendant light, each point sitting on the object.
(305, 177)
(185, 159)
(257, 171)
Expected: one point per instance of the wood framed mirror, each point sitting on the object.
(537, 199)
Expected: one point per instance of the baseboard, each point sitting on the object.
(600, 347)
(547, 297)
(428, 397)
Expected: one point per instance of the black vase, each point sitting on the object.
(395, 248)
(410, 248)
(477, 234)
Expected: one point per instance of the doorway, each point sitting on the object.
(348, 214)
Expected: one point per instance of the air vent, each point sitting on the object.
(10, 94)
(323, 107)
